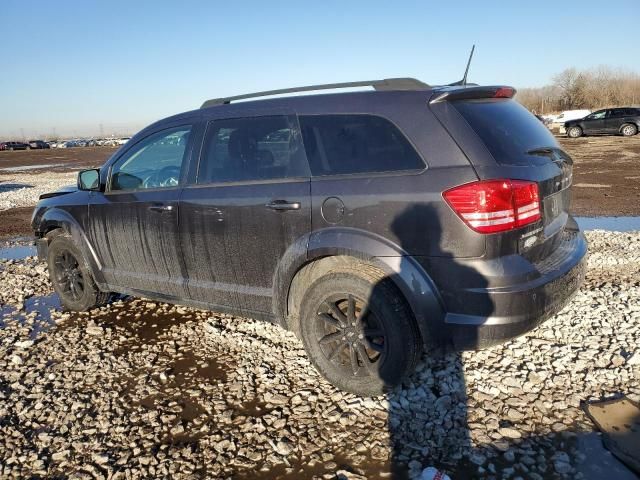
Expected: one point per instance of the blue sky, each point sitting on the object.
(73, 65)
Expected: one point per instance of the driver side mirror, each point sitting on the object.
(89, 179)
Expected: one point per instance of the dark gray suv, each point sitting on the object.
(372, 224)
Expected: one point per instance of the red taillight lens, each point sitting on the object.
(504, 92)
(495, 205)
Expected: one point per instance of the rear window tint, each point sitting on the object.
(507, 129)
(344, 144)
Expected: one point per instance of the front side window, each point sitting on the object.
(155, 162)
(346, 144)
(256, 148)
(598, 115)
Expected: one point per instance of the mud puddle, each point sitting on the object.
(36, 314)
(17, 252)
(26, 168)
(612, 224)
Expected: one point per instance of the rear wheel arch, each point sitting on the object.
(412, 284)
(627, 124)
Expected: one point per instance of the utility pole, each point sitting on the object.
(101, 131)
(22, 134)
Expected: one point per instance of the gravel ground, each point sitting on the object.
(140, 389)
(22, 189)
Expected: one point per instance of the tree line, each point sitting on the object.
(596, 88)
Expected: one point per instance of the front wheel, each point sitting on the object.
(358, 331)
(70, 277)
(629, 130)
(574, 132)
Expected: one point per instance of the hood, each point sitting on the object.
(62, 191)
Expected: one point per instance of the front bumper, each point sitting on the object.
(518, 308)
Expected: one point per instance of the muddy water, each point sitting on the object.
(611, 224)
(17, 252)
(40, 305)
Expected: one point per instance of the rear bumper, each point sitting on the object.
(518, 308)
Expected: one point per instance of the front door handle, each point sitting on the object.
(281, 205)
(161, 208)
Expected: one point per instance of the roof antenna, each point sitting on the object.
(464, 79)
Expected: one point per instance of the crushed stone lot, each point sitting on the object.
(141, 389)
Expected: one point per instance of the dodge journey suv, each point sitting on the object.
(373, 224)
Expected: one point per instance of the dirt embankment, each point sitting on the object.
(606, 178)
(606, 175)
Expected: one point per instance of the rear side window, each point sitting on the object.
(257, 148)
(344, 144)
(507, 129)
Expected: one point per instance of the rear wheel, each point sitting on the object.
(359, 332)
(574, 132)
(629, 130)
(70, 277)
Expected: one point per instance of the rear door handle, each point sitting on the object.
(161, 208)
(283, 205)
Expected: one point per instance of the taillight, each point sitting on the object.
(495, 205)
(504, 92)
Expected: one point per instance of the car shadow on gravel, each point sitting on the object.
(428, 413)
(431, 415)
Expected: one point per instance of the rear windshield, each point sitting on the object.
(507, 129)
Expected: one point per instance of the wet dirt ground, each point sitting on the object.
(606, 176)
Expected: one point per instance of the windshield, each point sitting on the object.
(507, 129)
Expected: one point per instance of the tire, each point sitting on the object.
(629, 130)
(574, 132)
(387, 335)
(70, 277)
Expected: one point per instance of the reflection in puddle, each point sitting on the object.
(41, 305)
(25, 168)
(613, 224)
(17, 252)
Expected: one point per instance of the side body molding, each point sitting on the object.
(59, 218)
(412, 280)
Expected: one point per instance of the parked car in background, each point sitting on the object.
(272, 209)
(37, 144)
(622, 121)
(559, 121)
(13, 146)
(123, 140)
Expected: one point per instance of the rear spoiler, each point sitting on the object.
(468, 93)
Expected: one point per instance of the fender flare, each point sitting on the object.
(54, 218)
(413, 281)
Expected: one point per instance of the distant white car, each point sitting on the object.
(123, 140)
(558, 121)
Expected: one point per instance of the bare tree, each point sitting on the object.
(600, 87)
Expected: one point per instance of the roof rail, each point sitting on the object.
(385, 84)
